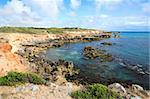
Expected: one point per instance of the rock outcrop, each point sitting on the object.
(54, 71)
(137, 68)
(119, 89)
(92, 53)
(130, 92)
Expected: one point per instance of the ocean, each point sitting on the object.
(132, 49)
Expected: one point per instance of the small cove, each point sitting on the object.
(132, 49)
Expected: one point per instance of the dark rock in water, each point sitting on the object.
(147, 72)
(106, 58)
(135, 68)
(107, 43)
(90, 39)
(57, 44)
(122, 64)
(138, 70)
(140, 66)
(141, 72)
(90, 52)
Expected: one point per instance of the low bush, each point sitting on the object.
(96, 91)
(14, 78)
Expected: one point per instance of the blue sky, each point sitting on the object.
(99, 14)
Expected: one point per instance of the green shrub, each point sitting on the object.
(96, 91)
(14, 78)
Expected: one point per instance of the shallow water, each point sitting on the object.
(132, 48)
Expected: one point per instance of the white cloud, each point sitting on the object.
(134, 20)
(75, 4)
(72, 14)
(15, 12)
(30, 12)
(146, 8)
(50, 8)
(108, 22)
(106, 3)
(14, 7)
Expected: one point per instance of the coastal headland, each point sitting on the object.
(22, 50)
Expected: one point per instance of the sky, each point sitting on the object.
(98, 14)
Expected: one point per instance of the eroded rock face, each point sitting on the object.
(10, 61)
(56, 71)
(5, 47)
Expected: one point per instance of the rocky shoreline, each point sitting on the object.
(57, 72)
(53, 71)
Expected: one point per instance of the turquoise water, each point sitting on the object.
(132, 48)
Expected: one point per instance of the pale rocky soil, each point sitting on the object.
(30, 91)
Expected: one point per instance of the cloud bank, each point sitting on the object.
(103, 14)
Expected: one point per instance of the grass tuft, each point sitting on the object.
(15, 78)
(96, 91)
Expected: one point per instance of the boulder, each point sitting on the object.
(137, 87)
(135, 68)
(118, 88)
(135, 97)
(137, 92)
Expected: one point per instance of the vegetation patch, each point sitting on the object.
(33, 30)
(96, 91)
(15, 78)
